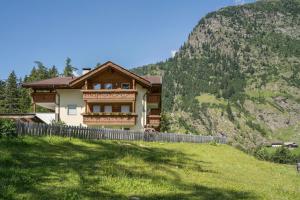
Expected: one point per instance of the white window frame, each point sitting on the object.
(125, 108)
(72, 109)
(125, 84)
(108, 108)
(96, 105)
(106, 84)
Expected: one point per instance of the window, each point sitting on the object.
(72, 110)
(108, 86)
(125, 109)
(125, 86)
(97, 86)
(96, 108)
(107, 108)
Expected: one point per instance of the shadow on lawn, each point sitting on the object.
(31, 167)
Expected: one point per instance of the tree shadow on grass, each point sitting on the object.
(67, 170)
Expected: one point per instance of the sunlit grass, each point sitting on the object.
(59, 168)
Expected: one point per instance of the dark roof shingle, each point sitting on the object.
(153, 79)
(57, 82)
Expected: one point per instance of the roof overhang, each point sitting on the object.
(80, 80)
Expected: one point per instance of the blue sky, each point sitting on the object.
(129, 32)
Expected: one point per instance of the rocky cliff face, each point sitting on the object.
(238, 73)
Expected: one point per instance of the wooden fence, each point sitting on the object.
(35, 129)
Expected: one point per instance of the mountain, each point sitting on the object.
(238, 73)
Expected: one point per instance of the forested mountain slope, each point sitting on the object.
(238, 73)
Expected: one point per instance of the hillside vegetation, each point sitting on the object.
(238, 73)
(60, 168)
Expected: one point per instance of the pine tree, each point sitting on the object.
(69, 69)
(39, 72)
(42, 71)
(53, 72)
(24, 99)
(2, 96)
(12, 95)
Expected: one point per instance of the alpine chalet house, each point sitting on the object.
(108, 96)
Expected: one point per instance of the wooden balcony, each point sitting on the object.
(110, 119)
(114, 95)
(153, 98)
(153, 120)
(43, 97)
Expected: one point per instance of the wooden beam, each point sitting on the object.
(133, 84)
(34, 107)
(133, 106)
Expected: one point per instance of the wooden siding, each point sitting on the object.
(43, 97)
(154, 98)
(110, 76)
(153, 120)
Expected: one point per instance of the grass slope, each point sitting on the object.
(57, 168)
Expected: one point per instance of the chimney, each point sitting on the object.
(85, 70)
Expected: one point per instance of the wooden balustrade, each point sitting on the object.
(114, 95)
(43, 97)
(111, 119)
(153, 98)
(153, 120)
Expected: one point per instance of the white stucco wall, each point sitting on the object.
(141, 107)
(74, 97)
(70, 97)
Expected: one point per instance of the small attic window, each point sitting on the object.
(97, 86)
(108, 86)
(125, 86)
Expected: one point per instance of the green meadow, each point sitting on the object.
(60, 168)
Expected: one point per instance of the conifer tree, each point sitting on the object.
(53, 72)
(69, 69)
(12, 95)
(24, 99)
(2, 96)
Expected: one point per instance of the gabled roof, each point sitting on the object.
(68, 82)
(80, 80)
(52, 83)
(155, 80)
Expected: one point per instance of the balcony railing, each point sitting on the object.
(153, 120)
(43, 97)
(114, 95)
(153, 98)
(111, 119)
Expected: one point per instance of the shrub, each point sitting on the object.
(262, 154)
(58, 123)
(7, 128)
(284, 155)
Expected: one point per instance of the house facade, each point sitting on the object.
(108, 96)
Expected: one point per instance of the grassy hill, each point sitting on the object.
(238, 73)
(59, 168)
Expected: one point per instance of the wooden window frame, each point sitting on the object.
(106, 111)
(128, 109)
(125, 88)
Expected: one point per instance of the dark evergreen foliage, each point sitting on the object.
(69, 69)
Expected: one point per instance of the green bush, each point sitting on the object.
(284, 155)
(263, 154)
(7, 128)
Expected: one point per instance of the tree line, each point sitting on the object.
(16, 99)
